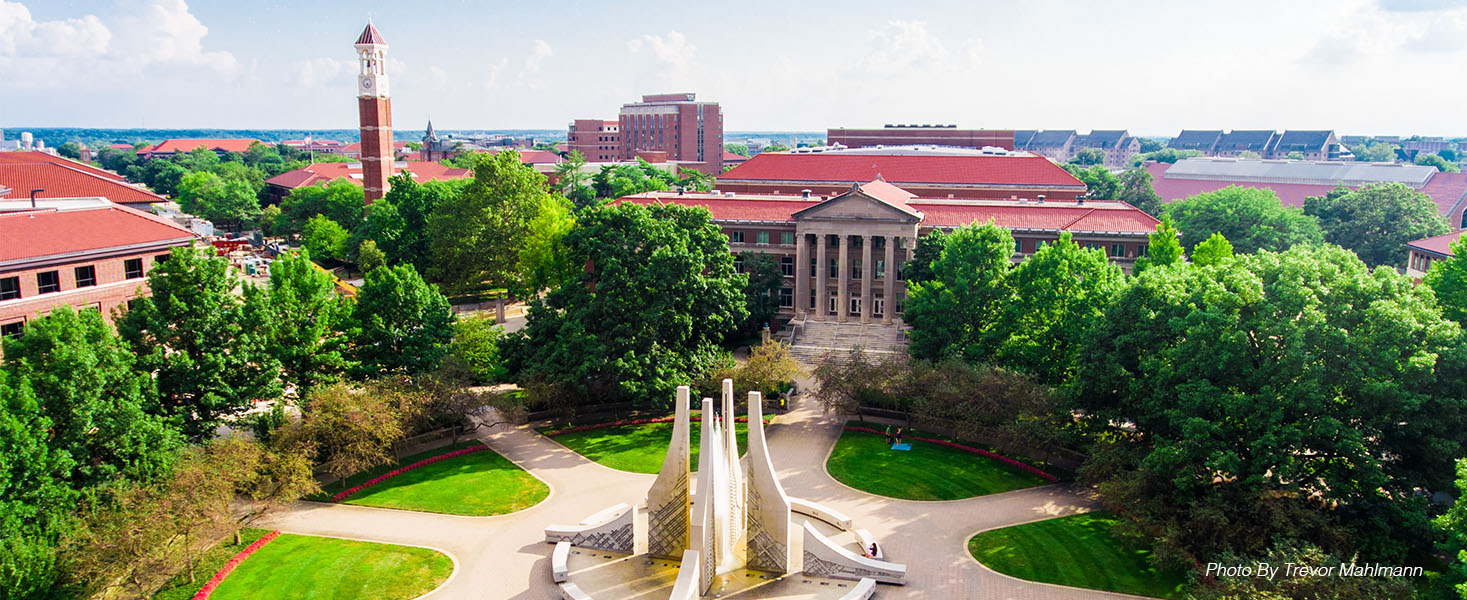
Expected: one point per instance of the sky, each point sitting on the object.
(1370, 67)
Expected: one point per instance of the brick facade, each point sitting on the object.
(109, 294)
(377, 151)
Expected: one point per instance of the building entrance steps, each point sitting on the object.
(814, 339)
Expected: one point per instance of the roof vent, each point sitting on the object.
(805, 193)
(728, 194)
(1041, 198)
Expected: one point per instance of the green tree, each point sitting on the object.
(1374, 152)
(204, 344)
(573, 179)
(475, 237)
(227, 201)
(1277, 395)
(369, 257)
(1088, 156)
(1162, 247)
(307, 324)
(161, 176)
(1100, 184)
(1151, 145)
(761, 293)
(739, 149)
(1137, 191)
(658, 294)
(272, 221)
(1212, 251)
(1295, 155)
(544, 261)
(475, 344)
(70, 150)
(929, 247)
(957, 311)
(35, 506)
(1059, 294)
(1448, 155)
(401, 325)
(1163, 155)
(325, 238)
(1434, 160)
(341, 201)
(1448, 278)
(399, 221)
(1252, 219)
(1453, 526)
(94, 397)
(350, 430)
(1377, 220)
(774, 148)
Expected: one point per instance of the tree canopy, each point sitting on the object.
(957, 311)
(307, 324)
(1252, 219)
(401, 325)
(475, 236)
(1059, 293)
(1376, 221)
(657, 294)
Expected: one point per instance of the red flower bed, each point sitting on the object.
(400, 470)
(1023, 466)
(580, 428)
(228, 567)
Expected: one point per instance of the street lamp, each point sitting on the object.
(33, 195)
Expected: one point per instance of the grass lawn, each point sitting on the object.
(209, 563)
(926, 472)
(638, 448)
(316, 568)
(477, 484)
(1077, 551)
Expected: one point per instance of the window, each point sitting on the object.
(834, 268)
(787, 266)
(787, 238)
(814, 268)
(1141, 250)
(739, 263)
(736, 237)
(12, 329)
(878, 243)
(1018, 246)
(855, 305)
(132, 268)
(9, 288)
(856, 269)
(86, 276)
(812, 298)
(880, 268)
(160, 258)
(834, 304)
(1117, 250)
(762, 237)
(786, 297)
(48, 282)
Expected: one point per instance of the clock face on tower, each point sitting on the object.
(367, 84)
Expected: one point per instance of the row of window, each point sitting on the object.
(786, 238)
(787, 267)
(49, 282)
(15, 328)
(1420, 262)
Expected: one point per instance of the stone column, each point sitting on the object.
(843, 293)
(822, 286)
(868, 271)
(802, 277)
(888, 282)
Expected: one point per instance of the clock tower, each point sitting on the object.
(375, 107)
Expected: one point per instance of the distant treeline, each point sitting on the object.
(55, 136)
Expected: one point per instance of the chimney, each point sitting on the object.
(1041, 198)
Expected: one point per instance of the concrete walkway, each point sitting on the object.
(505, 556)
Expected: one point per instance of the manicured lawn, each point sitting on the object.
(477, 484)
(926, 472)
(315, 568)
(337, 486)
(638, 448)
(1077, 551)
(209, 563)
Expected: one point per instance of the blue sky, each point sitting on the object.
(1153, 67)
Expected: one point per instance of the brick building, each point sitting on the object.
(374, 104)
(597, 140)
(688, 131)
(279, 186)
(168, 148)
(913, 135)
(57, 177)
(1422, 253)
(1118, 146)
(924, 171)
(85, 253)
(842, 254)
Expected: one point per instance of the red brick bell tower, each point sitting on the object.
(375, 107)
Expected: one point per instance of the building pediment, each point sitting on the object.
(858, 205)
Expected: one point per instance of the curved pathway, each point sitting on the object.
(505, 556)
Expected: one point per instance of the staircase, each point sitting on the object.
(811, 341)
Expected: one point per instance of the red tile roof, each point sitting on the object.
(324, 172)
(356, 147)
(49, 232)
(1445, 189)
(1027, 170)
(61, 181)
(1095, 216)
(732, 157)
(1440, 245)
(226, 145)
(42, 157)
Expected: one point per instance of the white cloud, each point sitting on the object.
(902, 47)
(674, 51)
(165, 32)
(1447, 32)
(320, 71)
(538, 53)
(22, 36)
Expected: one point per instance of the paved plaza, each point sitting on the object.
(506, 556)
